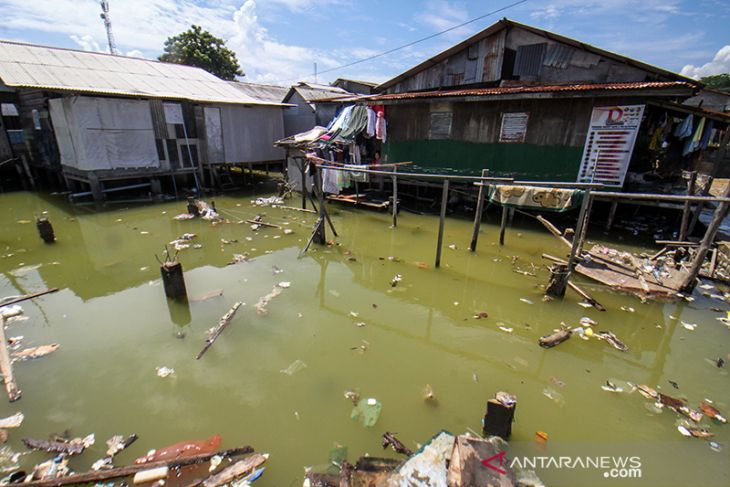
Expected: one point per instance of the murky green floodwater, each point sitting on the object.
(115, 326)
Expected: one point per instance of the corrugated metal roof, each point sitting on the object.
(313, 91)
(510, 90)
(57, 69)
(268, 93)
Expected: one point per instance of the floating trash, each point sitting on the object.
(164, 372)
(526, 301)
(554, 396)
(13, 421)
(586, 321)
(367, 411)
(506, 329)
(295, 367)
(396, 279)
(352, 395)
(557, 382)
(585, 304)
(689, 326)
(284, 284)
(628, 309)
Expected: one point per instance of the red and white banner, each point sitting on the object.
(609, 144)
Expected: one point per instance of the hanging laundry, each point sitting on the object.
(355, 154)
(693, 143)
(360, 177)
(656, 138)
(684, 129)
(329, 181)
(355, 123)
(707, 134)
(381, 127)
(370, 130)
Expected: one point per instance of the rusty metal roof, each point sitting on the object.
(519, 90)
(516, 90)
(69, 70)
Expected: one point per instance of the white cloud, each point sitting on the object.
(720, 64)
(441, 15)
(87, 43)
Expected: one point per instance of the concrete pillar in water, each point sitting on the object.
(173, 280)
(558, 281)
(45, 229)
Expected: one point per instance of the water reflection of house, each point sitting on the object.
(98, 122)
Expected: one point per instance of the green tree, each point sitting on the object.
(199, 48)
(719, 82)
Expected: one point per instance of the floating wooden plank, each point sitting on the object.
(222, 324)
(116, 473)
(26, 297)
(586, 297)
(263, 224)
(6, 367)
(234, 471)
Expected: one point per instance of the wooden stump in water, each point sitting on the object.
(499, 416)
(45, 229)
(558, 281)
(173, 280)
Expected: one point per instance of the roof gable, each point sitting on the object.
(506, 24)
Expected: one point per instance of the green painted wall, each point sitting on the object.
(522, 161)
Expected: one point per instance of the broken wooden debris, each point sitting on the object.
(554, 230)
(222, 324)
(6, 367)
(389, 440)
(66, 447)
(263, 224)
(586, 297)
(234, 471)
(556, 338)
(121, 472)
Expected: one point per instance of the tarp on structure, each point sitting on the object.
(534, 197)
(104, 133)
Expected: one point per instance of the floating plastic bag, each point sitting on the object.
(367, 412)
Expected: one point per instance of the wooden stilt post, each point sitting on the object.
(611, 215)
(320, 235)
(442, 219)
(503, 225)
(304, 183)
(478, 213)
(584, 228)
(687, 206)
(173, 280)
(579, 230)
(558, 281)
(689, 281)
(395, 197)
(6, 366)
(45, 230)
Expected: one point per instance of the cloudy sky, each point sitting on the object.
(278, 41)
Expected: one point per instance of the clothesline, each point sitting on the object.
(319, 160)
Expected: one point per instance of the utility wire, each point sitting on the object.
(412, 43)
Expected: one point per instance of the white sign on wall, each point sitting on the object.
(173, 113)
(514, 127)
(609, 144)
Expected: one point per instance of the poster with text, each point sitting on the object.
(609, 144)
